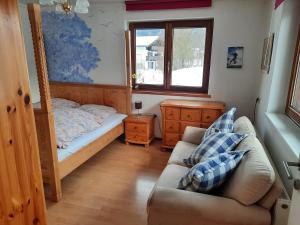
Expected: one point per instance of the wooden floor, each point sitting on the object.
(112, 188)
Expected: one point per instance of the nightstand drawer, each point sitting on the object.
(136, 137)
(172, 126)
(171, 139)
(190, 115)
(210, 115)
(172, 113)
(135, 127)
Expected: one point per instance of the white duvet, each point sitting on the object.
(73, 120)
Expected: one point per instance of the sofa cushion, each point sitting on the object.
(213, 145)
(171, 176)
(181, 151)
(169, 206)
(244, 126)
(211, 173)
(272, 195)
(223, 124)
(193, 135)
(254, 176)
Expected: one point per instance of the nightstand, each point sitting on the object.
(139, 129)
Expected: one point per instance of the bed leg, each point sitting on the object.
(56, 193)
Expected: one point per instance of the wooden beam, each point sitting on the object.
(21, 190)
(44, 118)
(34, 13)
(128, 57)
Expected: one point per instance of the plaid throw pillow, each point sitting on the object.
(213, 145)
(210, 174)
(222, 124)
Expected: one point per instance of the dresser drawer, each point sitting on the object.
(172, 113)
(136, 137)
(171, 139)
(205, 125)
(172, 126)
(185, 124)
(135, 127)
(210, 115)
(190, 115)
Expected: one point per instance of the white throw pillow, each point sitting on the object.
(254, 177)
(59, 103)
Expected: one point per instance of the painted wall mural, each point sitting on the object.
(70, 54)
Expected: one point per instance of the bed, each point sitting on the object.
(110, 123)
(57, 163)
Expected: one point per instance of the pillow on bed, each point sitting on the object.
(71, 123)
(59, 103)
(101, 112)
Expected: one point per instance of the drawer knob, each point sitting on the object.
(188, 116)
(207, 117)
(135, 127)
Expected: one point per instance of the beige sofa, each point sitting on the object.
(245, 199)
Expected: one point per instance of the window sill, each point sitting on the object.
(171, 93)
(287, 129)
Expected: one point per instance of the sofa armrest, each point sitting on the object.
(176, 207)
(193, 135)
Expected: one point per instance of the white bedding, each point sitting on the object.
(74, 146)
(101, 112)
(71, 123)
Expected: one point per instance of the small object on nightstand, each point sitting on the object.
(138, 105)
(139, 129)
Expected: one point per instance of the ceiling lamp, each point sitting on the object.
(82, 6)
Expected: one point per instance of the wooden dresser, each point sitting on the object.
(177, 114)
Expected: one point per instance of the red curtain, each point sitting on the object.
(135, 5)
(277, 3)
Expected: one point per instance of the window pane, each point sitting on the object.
(150, 48)
(296, 94)
(188, 56)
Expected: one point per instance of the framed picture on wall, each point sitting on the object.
(267, 53)
(235, 57)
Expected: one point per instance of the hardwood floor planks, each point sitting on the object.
(111, 188)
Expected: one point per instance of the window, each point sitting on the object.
(171, 56)
(293, 102)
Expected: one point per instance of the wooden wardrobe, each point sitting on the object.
(21, 190)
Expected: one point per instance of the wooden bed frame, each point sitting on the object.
(116, 96)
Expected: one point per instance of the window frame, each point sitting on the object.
(168, 26)
(290, 111)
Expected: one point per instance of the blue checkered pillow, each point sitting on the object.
(211, 173)
(223, 124)
(213, 145)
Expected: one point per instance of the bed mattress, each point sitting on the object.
(78, 143)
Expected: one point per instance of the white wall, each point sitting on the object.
(35, 94)
(236, 23)
(281, 136)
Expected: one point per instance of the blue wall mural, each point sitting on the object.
(70, 54)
